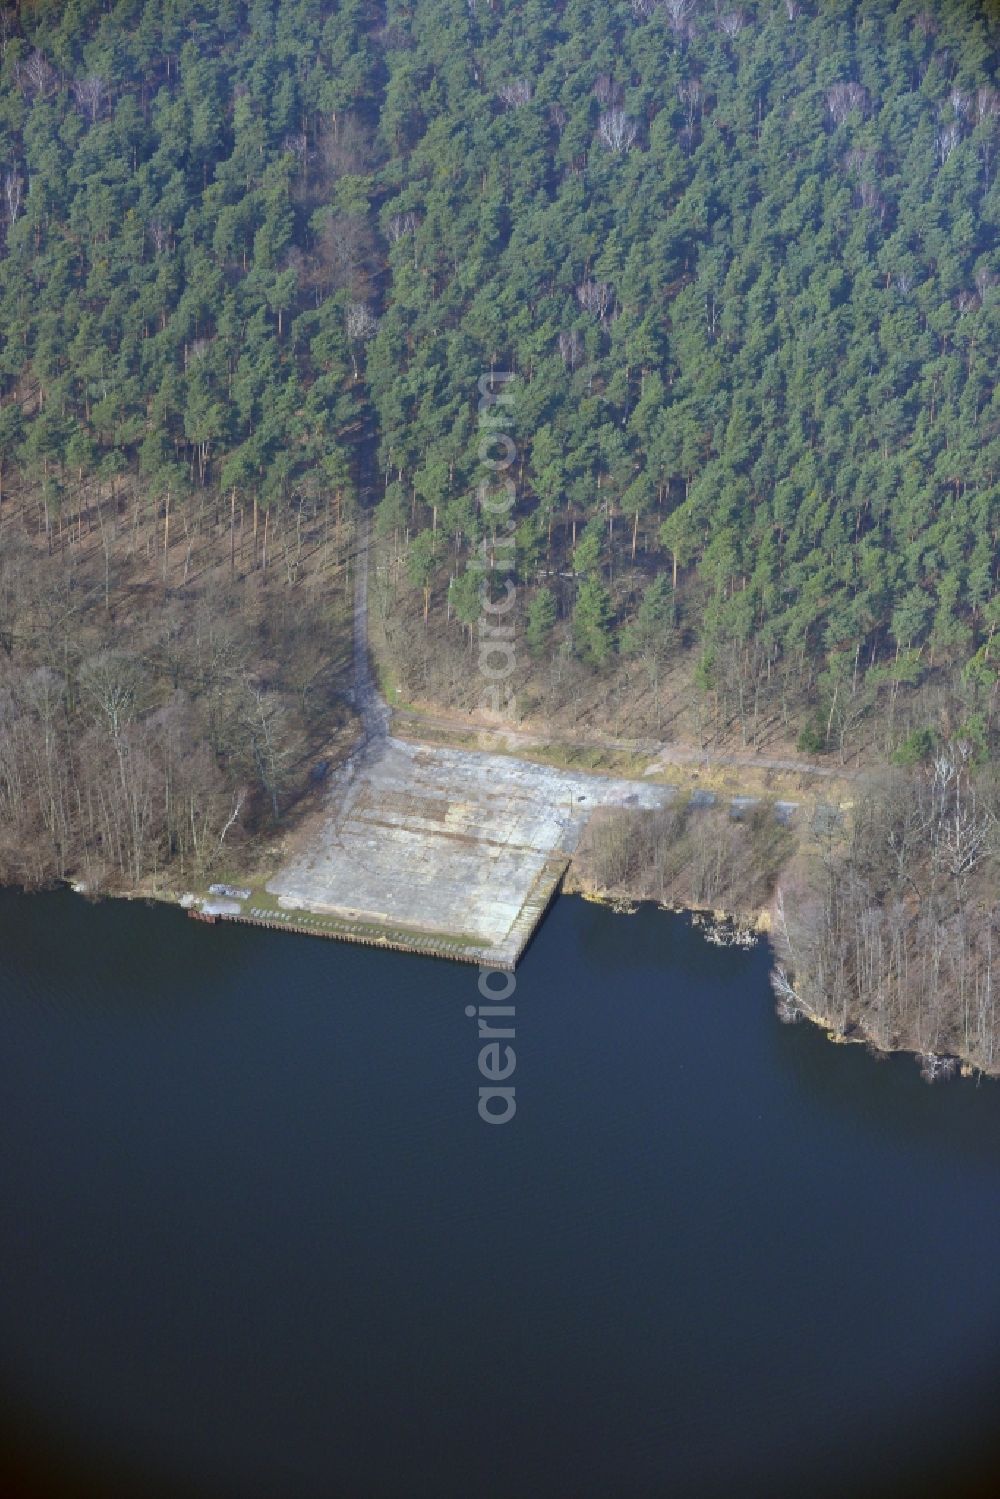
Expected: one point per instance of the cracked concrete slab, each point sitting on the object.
(436, 849)
(456, 844)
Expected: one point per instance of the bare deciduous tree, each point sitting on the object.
(344, 250)
(871, 198)
(732, 22)
(963, 830)
(362, 323)
(984, 279)
(265, 726)
(987, 104)
(948, 137)
(606, 91)
(37, 74)
(196, 350)
(89, 95)
(516, 93)
(110, 683)
(344, 147)
(159, 235)
(692, 96)
(616, 131)
(680, 16)
(571, 348)
(13, 192)
(595, 297)
(400, 225)
(297, 145)
(842, 98)
(239, 801)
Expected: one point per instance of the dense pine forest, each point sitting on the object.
(734, 269)
(741, 262)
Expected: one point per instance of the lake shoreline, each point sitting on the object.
(722, 928)
(717, 927)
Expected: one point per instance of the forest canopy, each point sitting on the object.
(742, 261)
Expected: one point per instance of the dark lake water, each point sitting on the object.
(256, 1241)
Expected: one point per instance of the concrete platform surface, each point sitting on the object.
(451, 844)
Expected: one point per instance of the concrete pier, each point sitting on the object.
(449, 852)
(440, 850)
